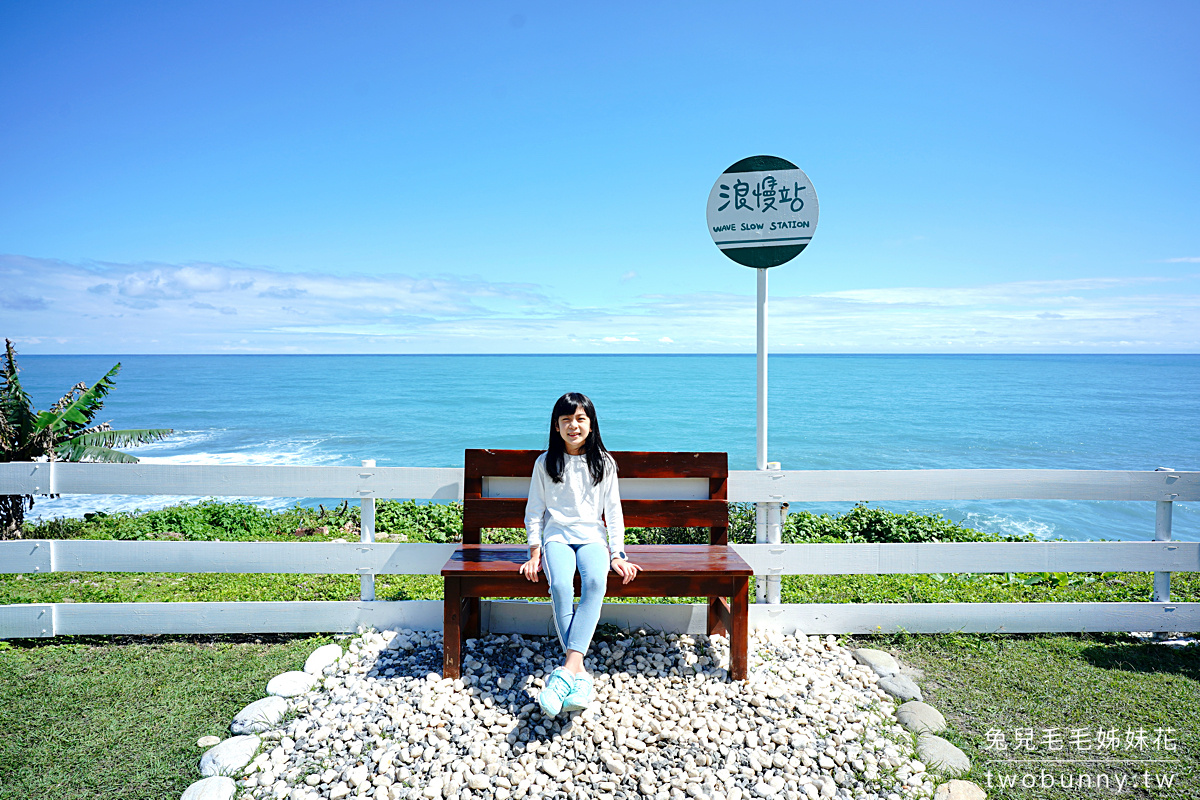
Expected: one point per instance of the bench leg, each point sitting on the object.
(452, 613)
(739, 637)
(718, 614)
(471, 621)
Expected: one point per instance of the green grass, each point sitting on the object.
(131, 587)
(1000, 588)
(1087, 682)
(90, 717)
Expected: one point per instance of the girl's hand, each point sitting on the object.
(626, 569)
(530, 568)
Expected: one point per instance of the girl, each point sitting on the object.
(574, 482)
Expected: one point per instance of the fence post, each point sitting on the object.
(774, 536)
(768, 529)
(367, 533)
(760, 537)
(1162, 533)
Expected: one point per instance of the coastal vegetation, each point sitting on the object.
(213, 520)
(65, 432)
(442, 522)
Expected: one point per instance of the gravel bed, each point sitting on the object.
(381, 722)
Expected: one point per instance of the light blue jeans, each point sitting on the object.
(576, 625)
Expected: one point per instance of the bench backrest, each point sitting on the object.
(658, 490)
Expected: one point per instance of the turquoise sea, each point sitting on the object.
(826, 412)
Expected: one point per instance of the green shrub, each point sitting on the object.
(203, 521)
(866, 524)
(862, 524)
(420, 522)
(57, 528)
(668, 536)
(442, 522)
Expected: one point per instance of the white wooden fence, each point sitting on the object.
(369, 558)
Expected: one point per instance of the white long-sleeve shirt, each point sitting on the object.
(570, 511)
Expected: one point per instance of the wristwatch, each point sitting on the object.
(621, 555)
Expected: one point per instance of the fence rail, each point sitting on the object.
(513, 616)
(747, 486)
(369, 558)
(79, 555)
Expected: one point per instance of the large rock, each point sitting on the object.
(259, 715)
(920, 717)
(901, 687)
(290, 684)
(217, 787)
(959, 790)
(321, 658)
(883, 663)
(941, 756)
(229, 756)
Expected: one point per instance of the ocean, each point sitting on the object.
(1127, 412)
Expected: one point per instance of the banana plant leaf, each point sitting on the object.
(97, 445)
(78, 412)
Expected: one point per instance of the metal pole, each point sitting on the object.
(366, 583)
(762, 369)
(761, 525)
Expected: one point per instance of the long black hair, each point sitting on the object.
(593, 446)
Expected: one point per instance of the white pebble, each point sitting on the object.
(809, 723)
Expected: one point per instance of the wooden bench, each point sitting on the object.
(495, 481)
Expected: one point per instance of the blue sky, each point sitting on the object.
(515, 177)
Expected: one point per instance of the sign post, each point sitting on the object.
(762, 369)
(762, 212)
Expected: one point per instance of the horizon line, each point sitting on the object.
(622, 355)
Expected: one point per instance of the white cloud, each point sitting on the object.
(58, 307)
(1066, 291)
(212, 307)
(1185, 260)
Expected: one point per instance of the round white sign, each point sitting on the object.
(762, 211)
